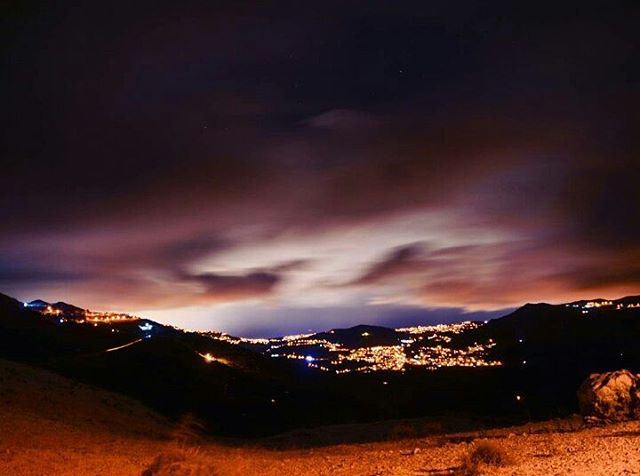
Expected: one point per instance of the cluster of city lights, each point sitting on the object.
(85, 315)
(398, 357)
(456, 328)
(108, 317)
(426, 347)
(51, 311)
(238, 340)
(377, 358)
(589, 305)
(439, 356)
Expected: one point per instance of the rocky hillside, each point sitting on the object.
(52, 425)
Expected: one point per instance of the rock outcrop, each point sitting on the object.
(610, 396)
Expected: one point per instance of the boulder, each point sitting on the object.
(610, 396)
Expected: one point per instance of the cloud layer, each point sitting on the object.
(345, 157)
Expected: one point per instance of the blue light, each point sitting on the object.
(309, 358)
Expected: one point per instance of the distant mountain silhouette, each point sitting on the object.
(362, 336)
(67, 308)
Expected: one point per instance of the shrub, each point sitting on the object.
(484, 454)
(188, 431)
(181, 457)
(179, 461)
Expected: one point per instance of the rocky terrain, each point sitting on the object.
(610, 396)
(52, 425)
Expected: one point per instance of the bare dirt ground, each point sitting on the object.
(52, 426)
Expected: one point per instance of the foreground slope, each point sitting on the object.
(52, 425)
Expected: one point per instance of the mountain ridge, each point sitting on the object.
(252, 387)
(520, 311)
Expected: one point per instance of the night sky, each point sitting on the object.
(273, 167)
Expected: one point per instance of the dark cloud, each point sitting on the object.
(292, 265)
(503, 274)
(400, 261)
(219, 287)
